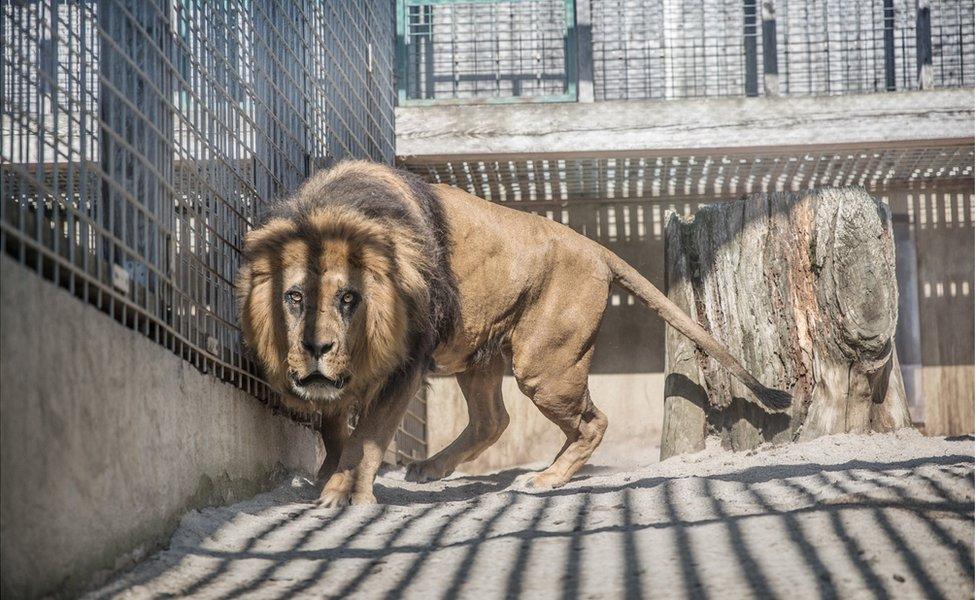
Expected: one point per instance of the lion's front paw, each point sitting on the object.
(333, 498)
(423, 471)
(539, 481)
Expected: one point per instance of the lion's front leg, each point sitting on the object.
(334, 429)
(341, 490)
(352, 482)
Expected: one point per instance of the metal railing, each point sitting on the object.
(141, 140)
(464, 51)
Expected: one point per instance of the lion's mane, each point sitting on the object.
(396, 230)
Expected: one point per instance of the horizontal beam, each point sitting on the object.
(440, 133)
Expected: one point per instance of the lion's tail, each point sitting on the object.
(635, 283)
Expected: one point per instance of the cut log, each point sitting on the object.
(801, 287)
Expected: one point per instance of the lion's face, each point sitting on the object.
(320, 308)
(323, 312)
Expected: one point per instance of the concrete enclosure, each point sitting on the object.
(108, 439)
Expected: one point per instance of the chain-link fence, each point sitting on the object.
(141, 139)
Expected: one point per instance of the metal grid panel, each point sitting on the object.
(505, 50)
(679, 49)
(952, 43)
(550, 183)
(140, 141)
(835, 47)
(473, 50)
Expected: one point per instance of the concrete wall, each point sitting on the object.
(633, 403)
(108, 438)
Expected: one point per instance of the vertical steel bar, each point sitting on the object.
(583, 29)
(750, 31)
(923, 45)
(889, 45)
(770, 57)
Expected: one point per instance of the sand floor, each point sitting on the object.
(843, 516)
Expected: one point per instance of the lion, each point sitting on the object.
(368, 279)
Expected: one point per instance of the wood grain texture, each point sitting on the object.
(652, 125)
(802, 288)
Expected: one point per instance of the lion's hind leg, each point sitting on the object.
(552, 350)
(487, 419)
(565, 400)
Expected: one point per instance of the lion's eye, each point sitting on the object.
(348, 298)
(294, 297)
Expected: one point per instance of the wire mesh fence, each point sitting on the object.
(685, 49)
(505, 50)
(141, 140)
(498, 49)
(670, 49)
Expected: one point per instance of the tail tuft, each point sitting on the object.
(773, 400)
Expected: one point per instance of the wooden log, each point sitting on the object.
(801, 287)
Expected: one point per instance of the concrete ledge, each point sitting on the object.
(492, 132)
(108, 439)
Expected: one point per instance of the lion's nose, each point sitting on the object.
(317, 350)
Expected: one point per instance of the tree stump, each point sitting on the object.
(801, 287)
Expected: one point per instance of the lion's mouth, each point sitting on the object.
(317, 378)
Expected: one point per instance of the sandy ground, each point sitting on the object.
(843, 516)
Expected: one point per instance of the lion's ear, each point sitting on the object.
(271, 233)
(250, 237)
(251, 240)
